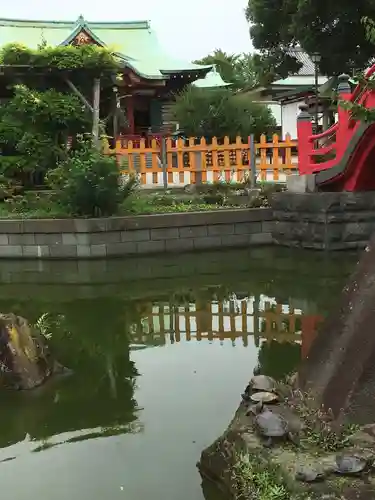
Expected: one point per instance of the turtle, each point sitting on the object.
(262, 383)
(259, 383)
(264, 397)
(269, 424)
(350, 465)
(308, 474)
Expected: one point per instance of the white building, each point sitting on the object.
(284, 96)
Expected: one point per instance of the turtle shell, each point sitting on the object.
(350, 464)
(262, 383)
(271, 424)
(309, 474)
(264, 397)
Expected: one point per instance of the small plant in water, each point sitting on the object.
(46, 323)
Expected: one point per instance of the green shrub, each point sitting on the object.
(89, 184)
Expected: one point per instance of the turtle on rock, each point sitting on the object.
(350, 465)
(260, 383)
(308, 474)
(272, 426)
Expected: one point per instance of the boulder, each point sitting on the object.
(241, 464)
(25, 359)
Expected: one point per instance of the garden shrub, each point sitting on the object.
(88, 183)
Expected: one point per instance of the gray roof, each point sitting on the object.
(308, 67)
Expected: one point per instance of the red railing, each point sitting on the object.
(338, 136)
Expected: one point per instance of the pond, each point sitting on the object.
(161, 349)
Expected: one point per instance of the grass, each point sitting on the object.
(320, 431)
(253, 481)
(208, 197)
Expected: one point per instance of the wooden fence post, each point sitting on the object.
(163, 154)
(252, 161)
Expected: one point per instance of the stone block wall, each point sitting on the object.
(329, 221)
(148, 234)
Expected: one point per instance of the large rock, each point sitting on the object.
(240, 465)
(25, 360)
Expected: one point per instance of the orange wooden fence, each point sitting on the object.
(211, 161)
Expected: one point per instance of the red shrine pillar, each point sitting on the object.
(130, 114)
(309, 332)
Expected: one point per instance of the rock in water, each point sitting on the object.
(25, 360)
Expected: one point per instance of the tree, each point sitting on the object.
(332, 29)
(209, 113)
(241, 70)
(360, 111)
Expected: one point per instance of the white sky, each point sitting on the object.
(188, 30)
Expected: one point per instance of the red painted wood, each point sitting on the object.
(359, 174)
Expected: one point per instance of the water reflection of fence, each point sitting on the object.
(227, 320)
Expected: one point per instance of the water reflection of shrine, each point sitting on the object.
(234, 319)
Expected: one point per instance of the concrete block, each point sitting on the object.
(261, 239)
(193, 231)
(236, 240)
(207, 242)
(301, 183)
(117, 249)
(63, 251)
(11, 226)
(167, 233)
(105, 237)
(137, 235)
(83, 251)
(248, 227)
(150, 246)
(11, 251)
(179, 245)
(47, 226)
(220, 229)
(98, 250)
(4, 239)
(48, 239)
(267, 227)
(35, 251)
(18, 239)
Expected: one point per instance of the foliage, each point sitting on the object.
(357, 110)
(252, 480)
(67, 57)
(88, 183)
(241, 70)
(34, 129)
(209, 113)
(321, 430)
(332, 29)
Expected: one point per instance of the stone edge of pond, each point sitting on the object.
(134, 235)
(240, 466)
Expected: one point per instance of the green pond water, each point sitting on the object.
(161, 349)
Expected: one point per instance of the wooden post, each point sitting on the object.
(96, 113)
(252, 161)
(164, 164)
(130, 114)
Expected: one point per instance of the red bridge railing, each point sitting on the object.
(322, 151)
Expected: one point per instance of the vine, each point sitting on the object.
(97, 60)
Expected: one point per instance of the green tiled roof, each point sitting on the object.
(211, 80)
(134, 41)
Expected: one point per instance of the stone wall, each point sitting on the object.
(120, 236)
(329, 221)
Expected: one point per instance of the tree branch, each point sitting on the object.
(79, 94)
